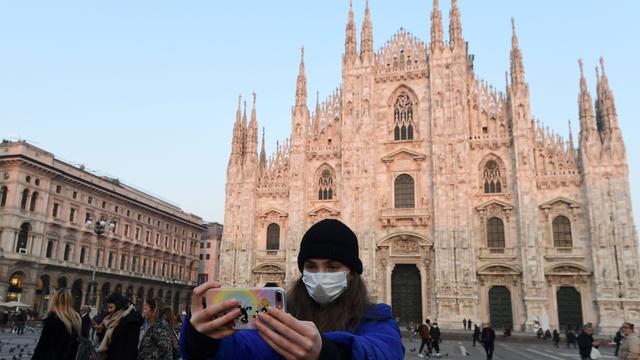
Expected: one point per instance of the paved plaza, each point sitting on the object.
(14, 346)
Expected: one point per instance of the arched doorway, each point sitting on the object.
(42, 294)
(62, 282)
(500, 313)
(118, 289)
(569, 307)
(150, 293)
(14, 290)
(160, 293)
(23, 238)
(76, 293)
(406, 294)
(140, 298)
(129, 293)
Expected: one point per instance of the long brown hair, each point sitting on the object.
(343, 314)
(61, 304)
(160, 311)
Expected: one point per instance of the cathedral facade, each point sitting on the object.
(464, 205)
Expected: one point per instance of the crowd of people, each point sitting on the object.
(117, 332)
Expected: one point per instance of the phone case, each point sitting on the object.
(252, 302)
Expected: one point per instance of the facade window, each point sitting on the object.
(139, 217)
(83, 253)
(75, 195)
(99, 258)
(23, 238)
(126, 230)
(56, 207)
(166, 241)
(201, 256)
(49, 252)
(87, 217)
(123, 262)
(325, 185)
(137, 236)
(25, 198)
(90, 200)
(104, 204)
(58, 189)
(273, 237)
(128, 213)
(149, 220)
(155, 267)
(110, 260)
(148, 237)
(157, 239)
(562, 232)
(208, 244)
(67, 252)
(201, 245)
(493, 177)
(34, 201)
(116, 209)
(403, 118)
(208, 256)
(404, 192)
(495, 233)
(134, 264)
(3, 196)
(72, 215)
(144, 265)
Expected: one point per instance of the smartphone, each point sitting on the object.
(252, 302)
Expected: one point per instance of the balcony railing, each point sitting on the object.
(419, 216)
(273, 255)
(558, 253)
(497, 253)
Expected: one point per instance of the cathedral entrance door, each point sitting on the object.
(569, 307)
(500, 313)
(406, 294)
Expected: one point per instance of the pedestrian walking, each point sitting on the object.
(476, 334)
(630, 345)
(425, 334)
(469, 324)
(540, 333)
(586, 342)
(21, 320)
(435, 338)
(119, 330)
(60, 329)
(464, 324)
(571, 337)
(617, 340)
(328, 311)
(488, 338)
(556, 338)
(85, 315)
(157, 342)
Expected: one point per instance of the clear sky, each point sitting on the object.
(146, 90)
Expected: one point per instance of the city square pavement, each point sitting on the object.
(14, 346)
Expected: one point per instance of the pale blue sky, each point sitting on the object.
(146, 91)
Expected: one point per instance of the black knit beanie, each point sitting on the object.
(330, 239)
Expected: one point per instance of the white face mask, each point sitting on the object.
(324, 287)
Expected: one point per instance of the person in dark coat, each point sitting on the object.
(425, 334)
(120, 330)
(488, 338)
(435, 338)
(85, 315)
(556, 338)
(476, 334)
(469, 324)
(571, 337)
(617, 340)
(60, 329)
(464, 324)
(586, 342)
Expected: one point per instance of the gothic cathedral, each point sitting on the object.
(464, 206)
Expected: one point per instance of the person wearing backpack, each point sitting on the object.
(425, 334)
(158, 341)
(58, 339)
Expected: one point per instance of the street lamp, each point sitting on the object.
(98, 229)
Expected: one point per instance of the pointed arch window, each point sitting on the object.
(34, 201)
(273, 237)
(403, 118)
(25, 198)
(404, 192)
(492, 175)
(562, 232)
(325, 185)
(495, 233)
(3, 196)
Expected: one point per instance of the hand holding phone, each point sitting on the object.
(212, 319)
(251, 302)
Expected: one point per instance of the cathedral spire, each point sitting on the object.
(605, 104)
(455, 26)
(253, 112)
(517, 68)
(263, 155)
(366, 40)
(236, 140)
(350, 37)
(316, 115)
(301, 83)
(570, 136)
(436, 27)
(587, 120)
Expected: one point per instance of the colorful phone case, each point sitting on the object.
(252, 302)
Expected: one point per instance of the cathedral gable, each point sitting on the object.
(403, 154)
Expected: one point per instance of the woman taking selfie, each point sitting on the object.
(328, 313)
(61, 327)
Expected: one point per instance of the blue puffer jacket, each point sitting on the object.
(377, 337)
